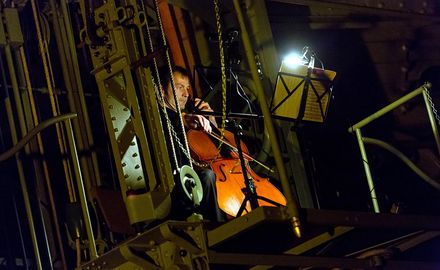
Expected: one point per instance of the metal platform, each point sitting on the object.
(264, 239)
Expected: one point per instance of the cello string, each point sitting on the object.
(221, 140)
(244, 154)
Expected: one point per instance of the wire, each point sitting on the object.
(244, 96)
(405, 160)
(20, 144)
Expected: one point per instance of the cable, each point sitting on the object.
(20, 144)
(405, 160)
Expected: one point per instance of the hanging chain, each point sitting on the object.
(185, 152)
(178, 109)
(431, 103)
(158, 89)
(223, 71)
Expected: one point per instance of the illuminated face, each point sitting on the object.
(183, 88)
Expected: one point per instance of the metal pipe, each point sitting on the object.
(14, 151)
(21, 177)
(82, 193)
(8, 108)
(404, 159)
(367, 171)
(23, 141)
(23, 73)
(49, 81)
(16, 91)
(22, 88)
(69, 82)
(432, 119)
(28, 209)
(389, 107)
(62, 56)
(292, 207)
(84, 112)
(20, 229)
(356, 128)
(23, 129)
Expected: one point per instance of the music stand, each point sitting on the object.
(302, 93)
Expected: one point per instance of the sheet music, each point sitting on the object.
(291, 83)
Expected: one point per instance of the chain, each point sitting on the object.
(188, 155)
(173, 134)
(178, 109)
(431, 103)
(223, 71)
(159, 95)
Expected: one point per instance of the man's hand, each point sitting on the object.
(203, 106)
(197, 122)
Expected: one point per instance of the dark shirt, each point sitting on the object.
(181, 206)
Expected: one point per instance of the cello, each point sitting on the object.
(238, 191)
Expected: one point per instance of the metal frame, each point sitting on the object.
(131, 112)
(357, 129)
(187, 244)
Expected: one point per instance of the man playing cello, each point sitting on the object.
(181, 208)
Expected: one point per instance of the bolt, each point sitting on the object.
(183, 253)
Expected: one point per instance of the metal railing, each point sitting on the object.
(424, 90)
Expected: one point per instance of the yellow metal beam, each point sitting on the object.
(291, 202)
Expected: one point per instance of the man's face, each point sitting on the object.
(182, 86)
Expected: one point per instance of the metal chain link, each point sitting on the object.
(181, 125)
(431, 103)
(223, 71)
(188, 155)
(158, 89)
(173, 134)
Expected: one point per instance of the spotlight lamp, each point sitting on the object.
(294, 59)
(307, 58)
(302, 91)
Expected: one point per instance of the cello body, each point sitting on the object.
(230, 180)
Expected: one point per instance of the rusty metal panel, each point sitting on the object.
(13, 28)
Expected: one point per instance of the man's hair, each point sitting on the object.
(165, 76)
